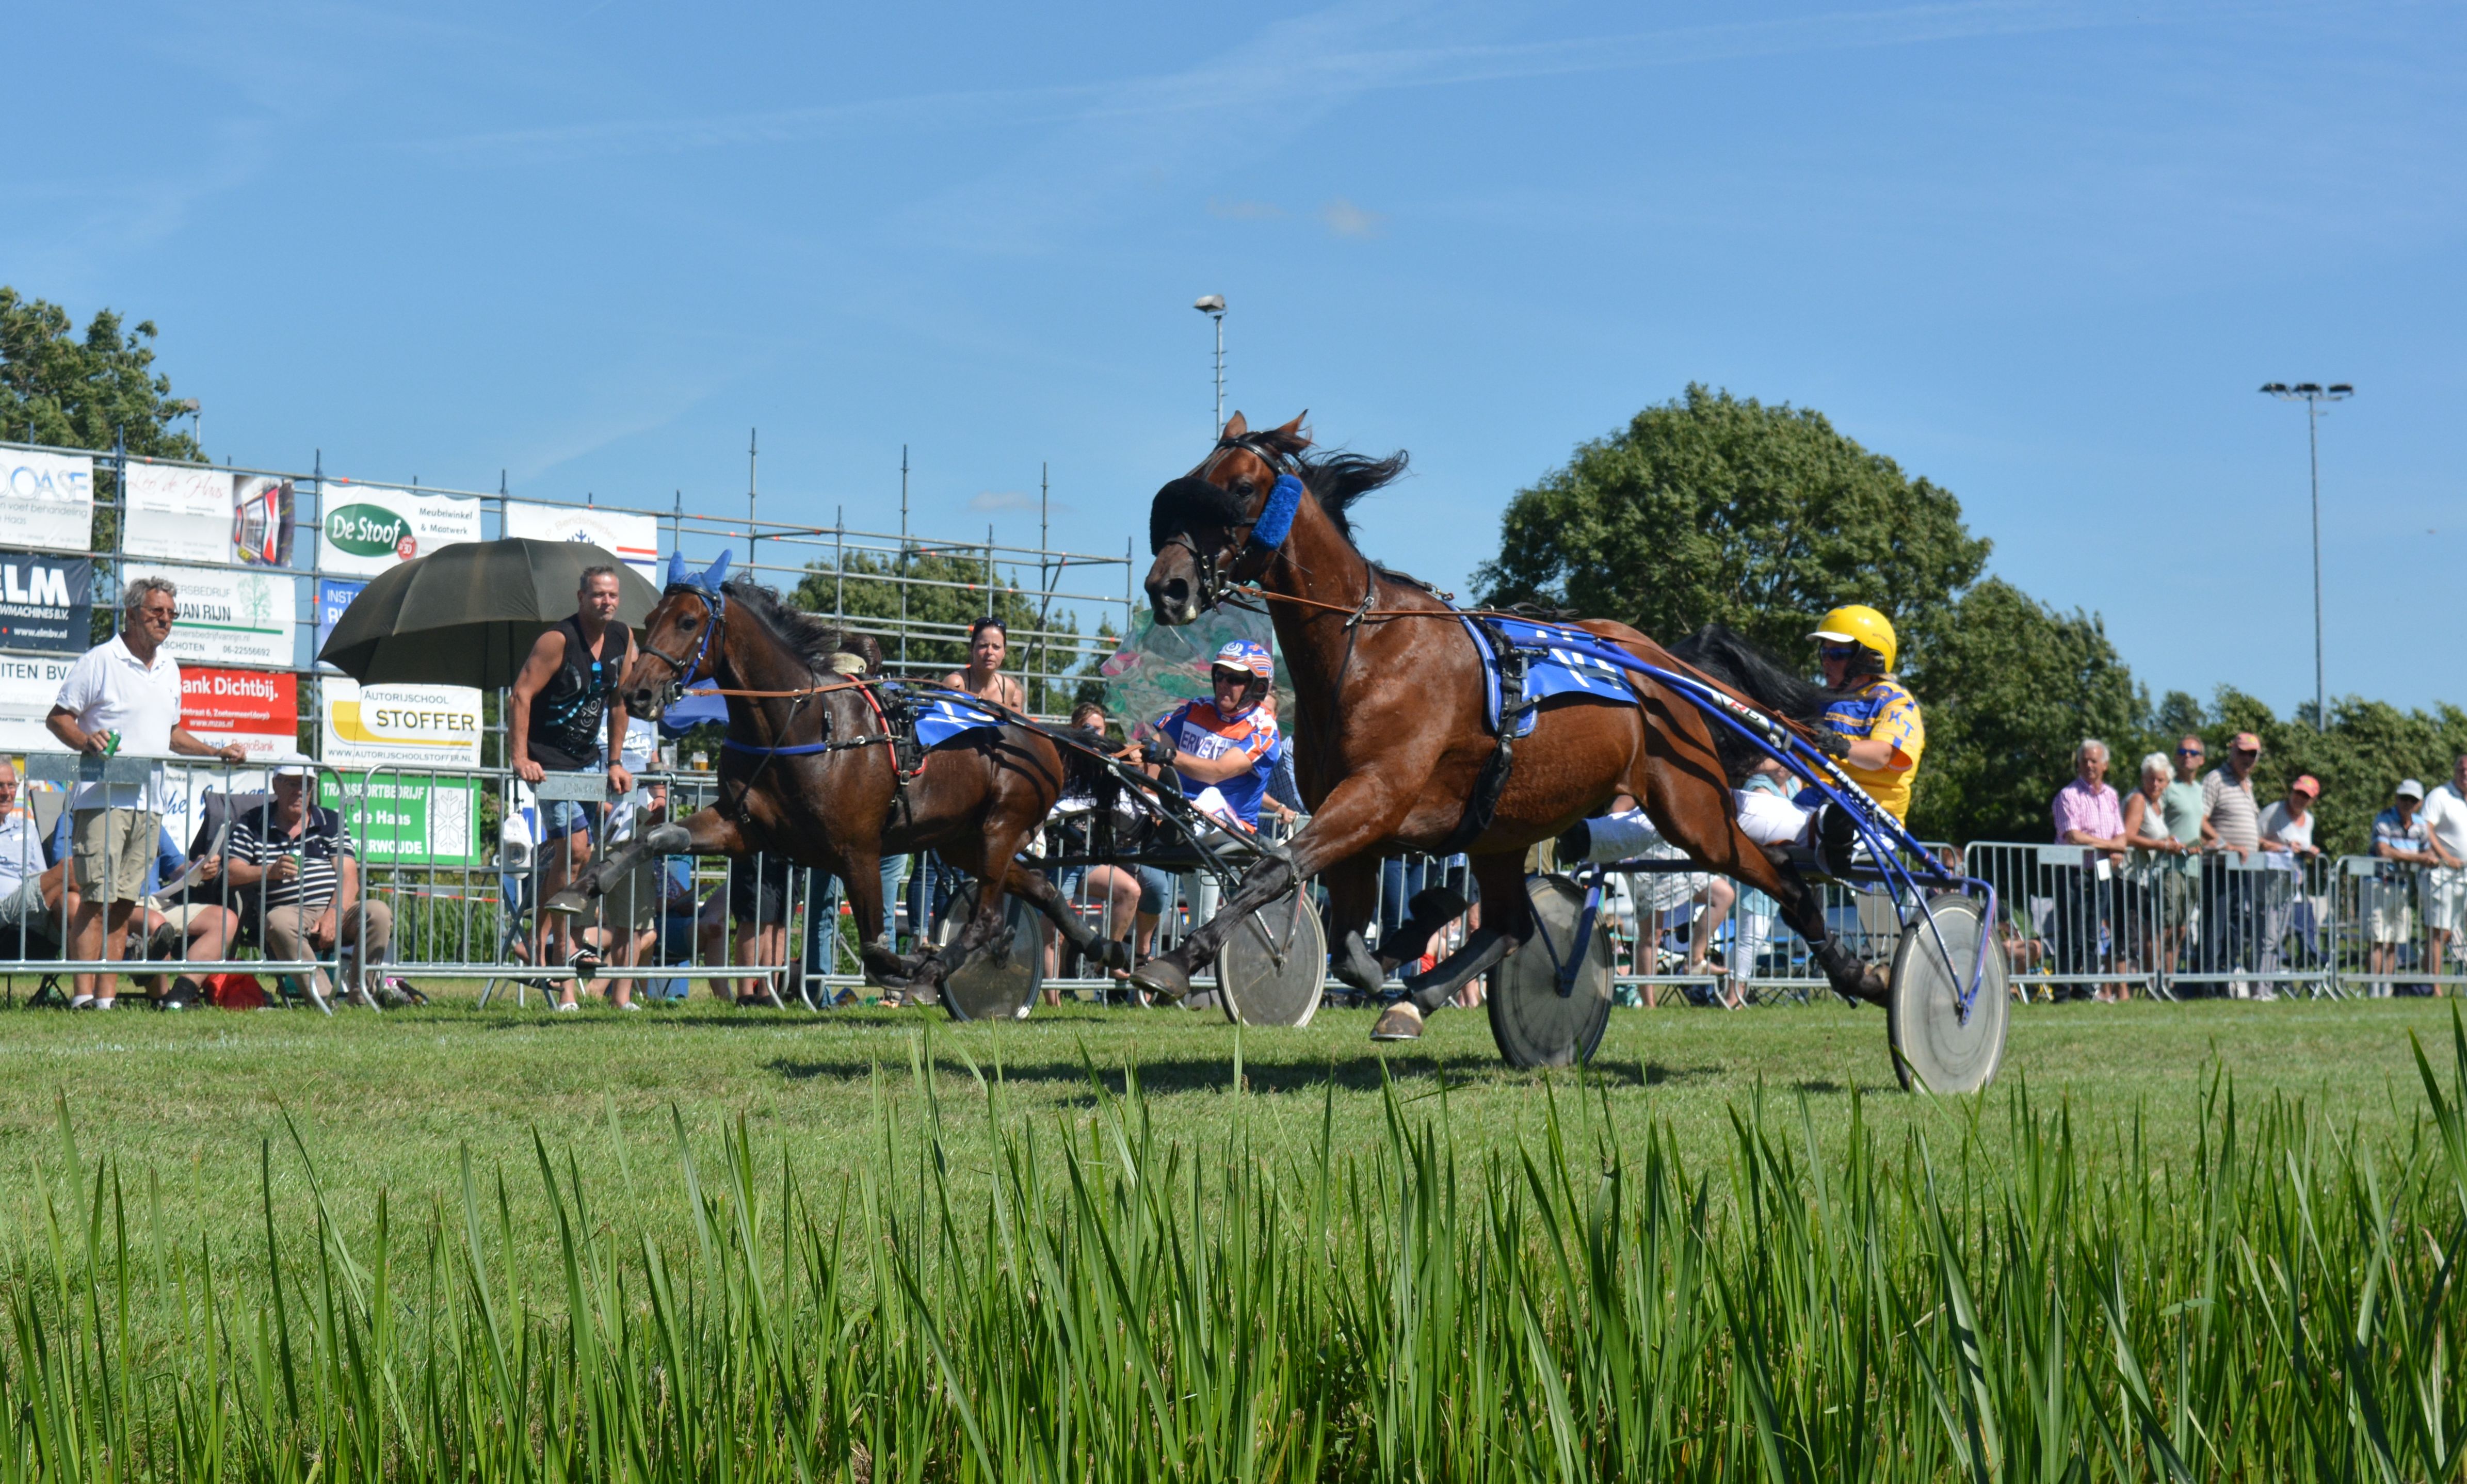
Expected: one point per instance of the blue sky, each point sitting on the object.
(2042, 253)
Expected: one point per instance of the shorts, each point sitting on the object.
(759, 896)
(563, 817)
(25, 905)
(2175, 897)
(2390, 910)
(2444, 890)
(120, 841)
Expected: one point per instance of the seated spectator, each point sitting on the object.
(2445, 886)
(756, 897)
(2401, 838)
(32, 911)
(2086, 814)
(190, 925)
(1112, 894)
(304, 869)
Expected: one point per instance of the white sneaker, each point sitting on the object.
(567, 1005)
(82, 1002)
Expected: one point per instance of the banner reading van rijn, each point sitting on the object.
(368, 529)
(228, 617)
(46, 602)
(632, 539)
(406, 819)
(206, 515)
(259, 709)
(28, 685)
(47, 501)
(399, 726)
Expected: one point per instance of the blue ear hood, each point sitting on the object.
(676, 569)
(717, 574)
(706, 581)
(1276, 516)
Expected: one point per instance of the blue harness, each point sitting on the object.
(1558, 660)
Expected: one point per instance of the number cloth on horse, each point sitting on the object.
(946, 717)
(1557, 662)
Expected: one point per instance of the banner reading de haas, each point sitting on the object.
(186, 514)
(46, 602)
(259, 709)
(368, 529)
(399, 726)
(46, 499)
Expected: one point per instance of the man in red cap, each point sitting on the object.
(2230, 824)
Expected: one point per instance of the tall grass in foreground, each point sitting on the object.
(1999, 1297)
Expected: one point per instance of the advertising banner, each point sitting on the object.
(28, 685)
(369, 527)
(334, 595)
(407, 819)
(399, 726)
(46, 602)
(259, 709)
(228, 617)
(634, 539)
(47, 501)
(206, 515)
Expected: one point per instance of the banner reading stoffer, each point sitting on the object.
(368, 529)
(632, 539)
(47, 501)
(184, 514)
(46, 602)
(406, 819)
(399, 726)
(259, 709)
(228, 617)
(28, 686)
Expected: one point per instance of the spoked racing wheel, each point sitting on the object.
(985, 987)
(1269, 973)
(1533, 1021)
(1937, 1044)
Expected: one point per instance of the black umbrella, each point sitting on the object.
(468, 614)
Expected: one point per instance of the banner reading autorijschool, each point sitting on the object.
(28, 685)
(368, 529)
(228, 617)
(399, 726)
(47, 501)
(46, 602)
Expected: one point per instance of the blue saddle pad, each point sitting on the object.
(1559, 661)
(946, 717)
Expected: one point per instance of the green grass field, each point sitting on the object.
(2212, 1238)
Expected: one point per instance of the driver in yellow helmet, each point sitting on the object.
(1880, 734)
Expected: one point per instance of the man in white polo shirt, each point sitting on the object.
(2445, 886)
(121, 697)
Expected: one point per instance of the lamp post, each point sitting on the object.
(2313, 395)
(1213, 306)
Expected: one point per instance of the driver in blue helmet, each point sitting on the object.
(1226, 745)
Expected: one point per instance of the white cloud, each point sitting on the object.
(993, 501)
(1344, 220)
(1234, 209)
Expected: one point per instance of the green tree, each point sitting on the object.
(1710, 508)
(83, 392)
(931, 598)
(2007, 686)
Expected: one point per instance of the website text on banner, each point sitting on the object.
(258, 711)
(407, 819)
(182, 514)
(228, 618)
(46, 602)
(399, 726)
(368, 529)
(46, 500)
(634, 538)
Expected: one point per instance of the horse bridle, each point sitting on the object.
(1216, 586)
(681, 672)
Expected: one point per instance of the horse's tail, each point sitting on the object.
(1731, 657)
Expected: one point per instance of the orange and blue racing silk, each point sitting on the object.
(1882, 710)
(1197, 728)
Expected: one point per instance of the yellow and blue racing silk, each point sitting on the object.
(1884, 709)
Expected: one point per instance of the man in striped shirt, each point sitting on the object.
(302, 860)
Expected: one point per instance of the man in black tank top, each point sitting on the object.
(567, 687)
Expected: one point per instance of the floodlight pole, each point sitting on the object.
(2313, 395)
(1213, 306)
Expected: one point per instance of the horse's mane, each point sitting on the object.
(814, 638)
(1736, 661)
(1336, 481)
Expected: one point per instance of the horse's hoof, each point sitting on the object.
(1354, 965)
(1402, 1021)
(1163, 978)
(567, 903)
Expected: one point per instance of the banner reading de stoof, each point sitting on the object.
(406, 819)
(633, 539)
(228, 617)
(399, 726)
(369, 527)
(259, 709)
(46, 602)
(47, 501)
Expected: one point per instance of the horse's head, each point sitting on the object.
(680, 638)
(1222, 523)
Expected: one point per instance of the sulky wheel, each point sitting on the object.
(987, 988)
(1270, 971)
(1534, 1023)
(1936, 1043)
